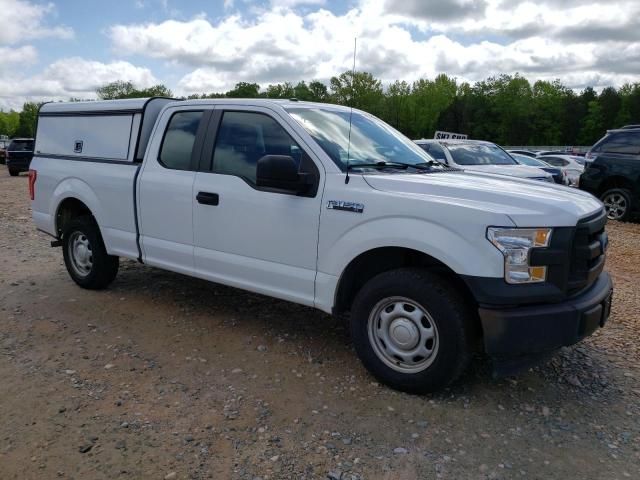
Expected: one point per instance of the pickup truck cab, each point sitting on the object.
(332, 209)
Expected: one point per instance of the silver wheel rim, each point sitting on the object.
(403, 334)
(80, 253)
(616, 205)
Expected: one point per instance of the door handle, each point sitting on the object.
(208, 198)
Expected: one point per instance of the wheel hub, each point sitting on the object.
(616, 206)
(80, 253)
(404, 334)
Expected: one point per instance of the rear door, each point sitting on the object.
(165, 188)
(245, 235)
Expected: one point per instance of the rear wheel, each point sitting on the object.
(85, 255)
(617, 202)
(412, 330)
(13, 172)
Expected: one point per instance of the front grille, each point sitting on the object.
(588, 252)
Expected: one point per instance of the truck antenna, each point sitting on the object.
(353, 79)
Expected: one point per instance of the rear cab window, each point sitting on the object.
(179, 139)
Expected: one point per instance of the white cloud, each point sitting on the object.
(285, 44)
(68, 77)
(23, 20)
(12, 56)
(295, 3)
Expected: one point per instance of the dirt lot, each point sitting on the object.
(163, 376)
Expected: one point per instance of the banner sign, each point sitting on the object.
(449, 136)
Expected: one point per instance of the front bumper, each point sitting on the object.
(515, 336)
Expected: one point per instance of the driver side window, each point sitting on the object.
(245, 137)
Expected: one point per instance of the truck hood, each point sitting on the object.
(527, 203)
(521, 171)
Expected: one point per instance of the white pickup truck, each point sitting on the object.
(332, 209)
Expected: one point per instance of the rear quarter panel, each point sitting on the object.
(105, 188)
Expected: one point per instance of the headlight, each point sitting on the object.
(516, 245)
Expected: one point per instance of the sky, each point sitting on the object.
(55, 50)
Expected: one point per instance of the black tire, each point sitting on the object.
(103, 267)
(447, 309)
(618, 202)
(13, 173)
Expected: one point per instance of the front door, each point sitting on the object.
(245, 235)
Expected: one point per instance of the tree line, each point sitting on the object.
(507, 109)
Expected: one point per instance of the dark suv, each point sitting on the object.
(18, 155)
(612, 172)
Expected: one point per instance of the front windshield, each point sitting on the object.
(479, 154)
(372, 141)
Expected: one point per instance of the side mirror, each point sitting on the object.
(280, 172)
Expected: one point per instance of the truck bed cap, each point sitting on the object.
(129, 105)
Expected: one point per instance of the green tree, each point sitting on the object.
(302, 91)
(361, 91)
(121, 89)
(244, 90)
(593, 127)
(429, 99)
(280, 90)
(27, 123)
(398, 106)
(319, 91)
(610, 104)
(547, 112)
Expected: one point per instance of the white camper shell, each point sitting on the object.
(112, 130)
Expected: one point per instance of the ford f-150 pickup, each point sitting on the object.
(330, 208)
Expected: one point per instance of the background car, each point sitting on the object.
(19, 154)
(480, 156)
(556, 172)
(572, 167)
(551, 152)
(3, 150)
(528, 153)
(612, 172)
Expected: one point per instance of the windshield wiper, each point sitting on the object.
(427, 165)
(380, 165)
(399, 165)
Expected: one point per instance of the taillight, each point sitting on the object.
(33, 175)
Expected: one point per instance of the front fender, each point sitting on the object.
(466, 253)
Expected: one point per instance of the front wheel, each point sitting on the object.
(85, 255)
(617, 202)
(412, 330)
(13, 173)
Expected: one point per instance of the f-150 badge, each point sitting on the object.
(346, 206)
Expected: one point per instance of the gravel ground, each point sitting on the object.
(163, 376)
